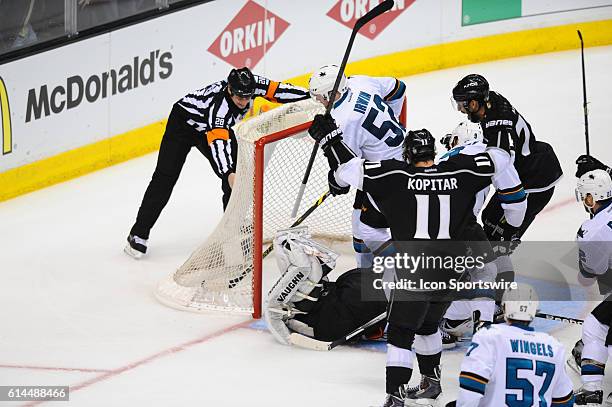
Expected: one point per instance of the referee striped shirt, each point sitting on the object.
(211, 112)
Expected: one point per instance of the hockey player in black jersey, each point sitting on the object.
(424, 203)
(204, 119)
(510, 141)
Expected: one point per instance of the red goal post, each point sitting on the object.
(225, 273)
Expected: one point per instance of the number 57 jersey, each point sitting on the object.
(367, 114)
(512, 365)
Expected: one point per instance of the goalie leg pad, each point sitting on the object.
(275, 320)
(300, 262)
(458, 310)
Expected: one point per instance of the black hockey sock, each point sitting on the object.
(428, 363)
(396, 376)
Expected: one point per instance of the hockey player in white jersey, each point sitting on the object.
(510, 364)
(466, 138)
(594, 240)
(366, 109)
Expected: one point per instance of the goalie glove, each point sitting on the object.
(303, 264)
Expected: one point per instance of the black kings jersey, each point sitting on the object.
(505, 128)
(434, 203)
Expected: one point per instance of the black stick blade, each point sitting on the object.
(372, 14)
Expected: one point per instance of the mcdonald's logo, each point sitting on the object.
(5, 120)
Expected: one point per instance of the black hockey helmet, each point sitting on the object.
(419, 145)
(471, 87)
(241, 82)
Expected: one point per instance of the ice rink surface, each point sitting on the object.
(75, 310)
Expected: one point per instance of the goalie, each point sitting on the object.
(303, 300)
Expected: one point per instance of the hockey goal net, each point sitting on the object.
(225, 273)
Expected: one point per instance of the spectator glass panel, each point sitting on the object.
(26, 23)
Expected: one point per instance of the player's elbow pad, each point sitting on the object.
(515, 212)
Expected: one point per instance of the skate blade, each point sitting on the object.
(423, 402)
(135, 254)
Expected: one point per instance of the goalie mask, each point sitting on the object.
(322, 81)
(596, 184)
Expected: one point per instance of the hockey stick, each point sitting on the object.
(233, 282)
(559, 318)
(584, 96)
(366, 18)
(310, 343)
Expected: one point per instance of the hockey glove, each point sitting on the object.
(334, 188)
(504, 237)
(324, 130)
(446, 141)
(329, 136)
(587, 163)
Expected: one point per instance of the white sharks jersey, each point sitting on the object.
(595, 246)
(367, 118)
(513, 365)
(505, 181)
(471, 148)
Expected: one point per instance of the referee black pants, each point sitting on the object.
(177, 141)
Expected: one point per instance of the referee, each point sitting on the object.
(204, 119)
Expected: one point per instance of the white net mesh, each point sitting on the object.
(219, 274)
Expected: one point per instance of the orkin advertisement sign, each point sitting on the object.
(6, 135)
(250, 34)
(347, 12)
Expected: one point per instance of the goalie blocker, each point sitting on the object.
(303, 300)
